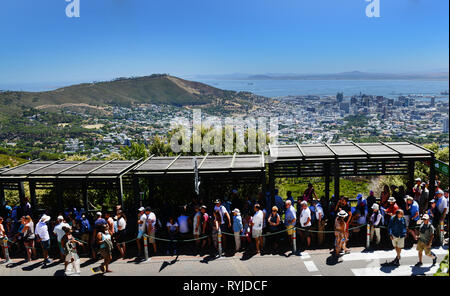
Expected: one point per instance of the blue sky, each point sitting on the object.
(115, 38)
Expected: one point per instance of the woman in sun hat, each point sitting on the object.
(339, 231)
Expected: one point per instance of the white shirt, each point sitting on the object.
(443, 204)
(143, 218)
(173, 226)
(304, 215)
(151, 219)
(121, 223)
(58, 230)
(183, 222)
(222, 211)
(319, 212)
(257, 220)
(42, 231)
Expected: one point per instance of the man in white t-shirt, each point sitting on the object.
(142, 220)
(150, 224)
(320, 221)
(305, 223)
(60, 233)
(257, 227)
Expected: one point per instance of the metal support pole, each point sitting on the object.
(411, 166)
(120, 197)
(336, 180)
(368, 236)
(219, 242)
(32, 185)
(441, 232)
(136, 190)
(146, 249)
(327, 181)
(432, 186)
(294, 240)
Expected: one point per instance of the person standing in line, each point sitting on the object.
(392, 209)
(384, 196)
(59, 232)
(309, 193)
(279, 203)
(43, 237)
(215, 229)
(397, 233)
(318, 211)
(425, 239)
(305, 223)
(151, 227)
(142, 220)
(110, 222)
(412, 208)
(69, 244)
(290, 219)
(257, 227)
(237, 228)
(196, 225)
(105, 246)
(289, 197)
(205, 227)
(225, 220)
(376, 220)
(121, 233)
(172, 230)
(340, 227)
(2, 235)
(274, 223)
(85, 231)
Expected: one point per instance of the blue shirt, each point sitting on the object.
(414, 209)
(237, 223)
(290, 215)
(397, 227)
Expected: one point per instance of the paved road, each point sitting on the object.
(308, 263)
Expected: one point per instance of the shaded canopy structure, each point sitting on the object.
(212, 169)
(349, 159)
(284, 161)
(62, 175)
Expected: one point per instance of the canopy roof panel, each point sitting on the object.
(349, 151)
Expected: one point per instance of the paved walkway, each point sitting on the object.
(309, 263)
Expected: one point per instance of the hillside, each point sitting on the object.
(156, 89)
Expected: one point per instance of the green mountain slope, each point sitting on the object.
(156, 89)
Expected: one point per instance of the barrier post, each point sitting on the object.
(219, 242)
(294, 241)
(147, 259)
(368, 236)
(6, 250)
(441, 234)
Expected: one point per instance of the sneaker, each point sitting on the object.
(418, 264)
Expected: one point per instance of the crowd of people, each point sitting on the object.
(238, 223)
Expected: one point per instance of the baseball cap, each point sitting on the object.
(45, 218)
(439, 191)
(418, 180)
(409, 198)
(391, 199)
(375, 207)
(141, 209)
(425, 217)
(235, 191)
(359, 196)
(217, 201)
(432, 201)
(98, 213)
(147, 209)
(236, 211)
(60, 218)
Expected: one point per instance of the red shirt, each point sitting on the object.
(392, 209)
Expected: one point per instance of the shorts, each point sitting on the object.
(256, 233)
(305, 230)
(60, 247)
(290, 229)
(412, 224)
(45, 244)
(140, 234)
(104, 252)
(85, 237)
(223, 227)
(121, 236)
(421, 246)
(151, 237)
(398, 242)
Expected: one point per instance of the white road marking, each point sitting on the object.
(305, 255)
(310, 266)
(402, 270)
(387, 254)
